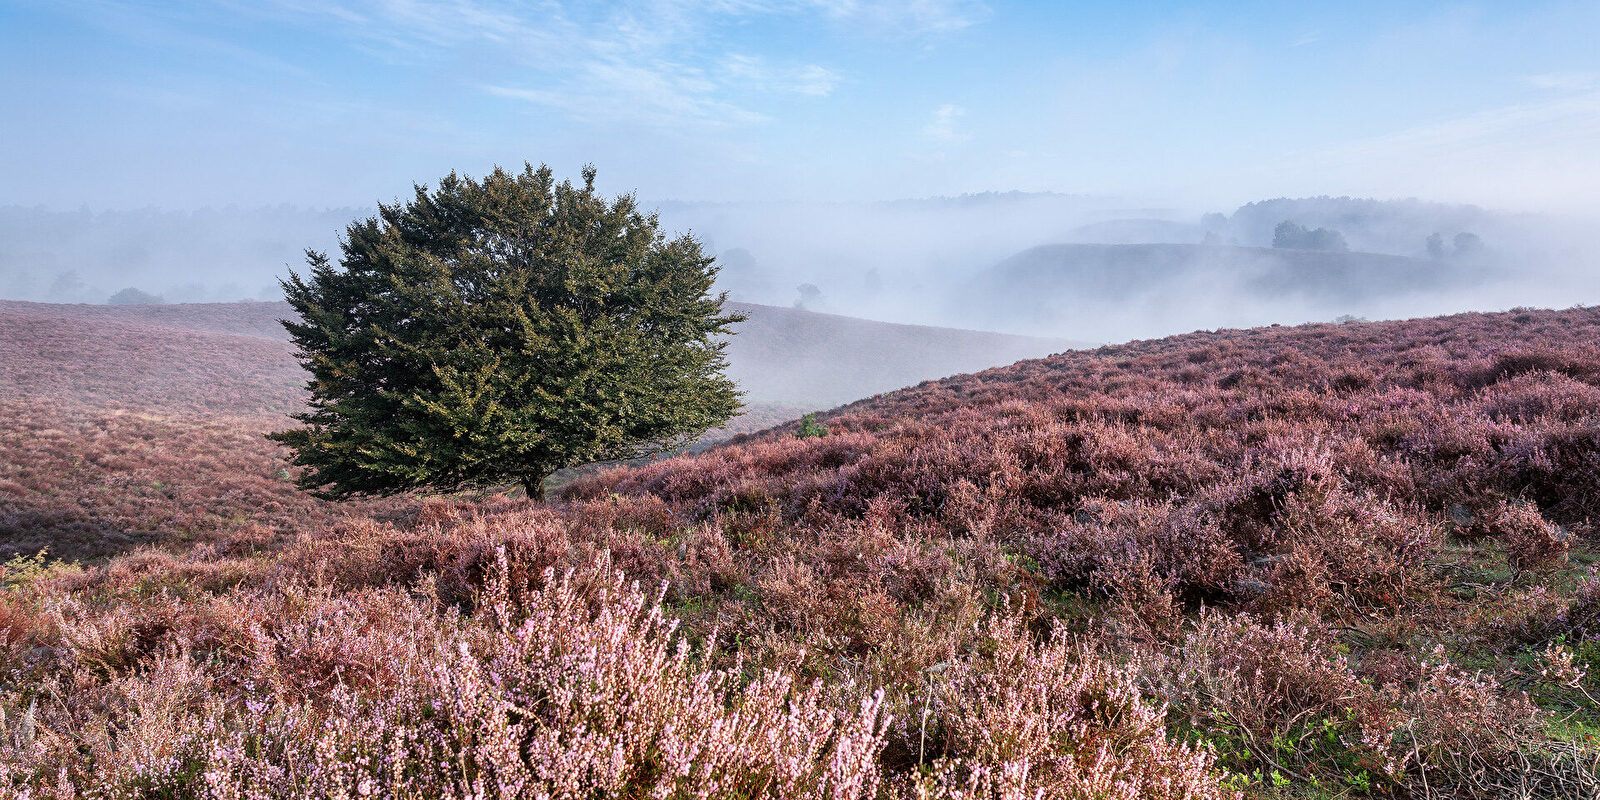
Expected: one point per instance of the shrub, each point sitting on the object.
(1529, 539)
(134, 297)
(1056, 720)
(810, 428)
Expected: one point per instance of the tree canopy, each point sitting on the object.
(1292, 236)
(494, 331)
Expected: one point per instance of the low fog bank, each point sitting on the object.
(210, 255)
(1065, 267)
(895, 261)
(1099, 270)
(1208, 299)
(793, 357)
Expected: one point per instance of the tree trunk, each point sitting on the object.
(534, 486)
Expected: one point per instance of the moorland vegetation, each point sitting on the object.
(1323, 561)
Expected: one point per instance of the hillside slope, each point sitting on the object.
(802, 357)
(1332, 560)
(780, 356)
(1337, 559)
(1169, 420)
(118, 431)
(1415, 494)
(127, 425)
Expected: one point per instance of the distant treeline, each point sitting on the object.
(1395, 227)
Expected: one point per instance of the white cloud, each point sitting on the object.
(1564, 81)
(944, 128)
(643, 60)
(906, 18)
(814, 80)
(751, 73)
(654, 96)
(417, 26)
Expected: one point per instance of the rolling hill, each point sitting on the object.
(1379, 526)
(822, 360)
(780, 356)
(1355, 560)
(128, 425)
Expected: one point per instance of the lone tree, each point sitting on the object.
(497, 331)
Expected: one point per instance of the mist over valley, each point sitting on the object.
(1056, 266)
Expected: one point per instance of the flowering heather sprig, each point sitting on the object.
(1054, 719)
(578, 689)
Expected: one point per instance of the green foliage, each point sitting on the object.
(1310, 759)
(496, 331)
(810, 428)
(21, 570)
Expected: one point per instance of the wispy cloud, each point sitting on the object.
(653, 62)
(813, 80)
(944, 127)
(420, 30)
(1564, 81)
(754, 73)
(653, 95)
(177, 28)
(910, 18)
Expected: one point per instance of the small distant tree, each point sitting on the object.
(134, 297)
(1435, 246)
(872, 281)
(1465, 245)
(1288, 236)
(742, 275)
(67, 286)
(810, 296)
(495, 331)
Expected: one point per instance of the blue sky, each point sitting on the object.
(123, 104)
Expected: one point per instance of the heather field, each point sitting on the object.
(142, 425)
(1323, 561)
(799, 400)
